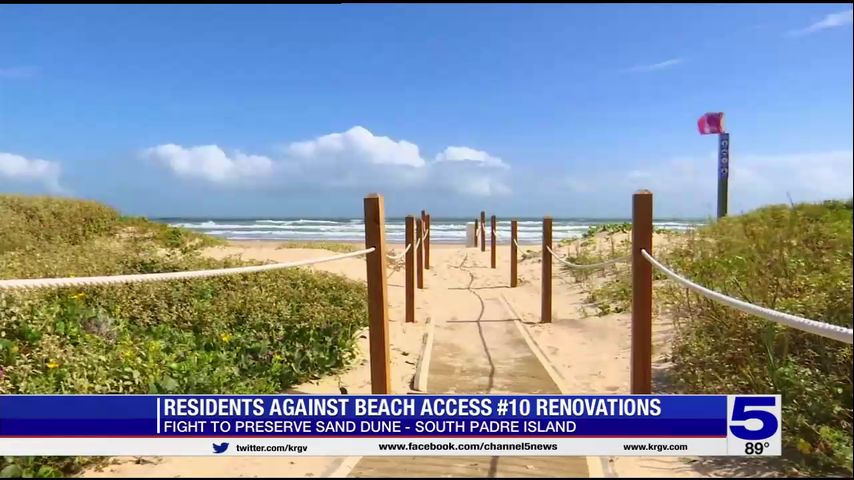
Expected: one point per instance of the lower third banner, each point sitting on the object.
(349, 425)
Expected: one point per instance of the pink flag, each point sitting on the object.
(711, 123)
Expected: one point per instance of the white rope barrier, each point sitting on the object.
(417, 242)
(32, 283)
(589, 265)
(827, 330)
(395, 258)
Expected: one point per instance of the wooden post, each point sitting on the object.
(482, 231)
(419, 254)
(546, 310)
(475, 233)
(409, 273)
(424, 232)
(513, 253)
(377, 294)
(492, 243)
(641, 293)
(427, 244)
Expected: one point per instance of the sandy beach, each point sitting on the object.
(589, 353)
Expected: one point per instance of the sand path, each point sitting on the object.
(478, 349)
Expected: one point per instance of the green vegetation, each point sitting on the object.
(527, 253)
(614, 295)
(611, 228)
(796, 259)
(340, 247)
(592, 230)
(33, 222)
(253, 333)
(167, 236)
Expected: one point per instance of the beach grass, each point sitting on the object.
(792, 258)
(251, 333)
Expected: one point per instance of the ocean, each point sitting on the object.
(443, 230)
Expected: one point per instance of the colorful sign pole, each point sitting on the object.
(723, 173)
(711, 123)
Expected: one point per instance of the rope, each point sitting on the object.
(395, 258)
(154, 277)
(590, 265)
(418, 242)
(834, 332)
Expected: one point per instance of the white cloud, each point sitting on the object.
(466, 154)
(656, 66)
(18, 168)
(688, 185)
(357, 145)
(480, 186)
(209, 162)
(470, 171)
(18, 72)
(355, 158)
(831, 20)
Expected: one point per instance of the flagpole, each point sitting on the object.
(723, 173)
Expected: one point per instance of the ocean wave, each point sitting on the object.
(443, 231)
(301, 221)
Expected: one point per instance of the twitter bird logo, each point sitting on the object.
(222, 447)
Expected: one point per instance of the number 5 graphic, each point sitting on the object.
(740, 413)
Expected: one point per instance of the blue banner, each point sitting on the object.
(446, 416)
(723, 155)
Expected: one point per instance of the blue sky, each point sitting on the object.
(517, 109)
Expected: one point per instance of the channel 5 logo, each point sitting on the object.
(754, 417)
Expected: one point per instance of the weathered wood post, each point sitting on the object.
(424, 225)
(377, 294)
(492, 242)
(475, 232)
(427, 244)
(641, 293)
(546, 310)
(482, 231)
(409, 273)
(513, 253)
(419, 254)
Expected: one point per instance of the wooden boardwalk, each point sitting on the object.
(504, 364)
